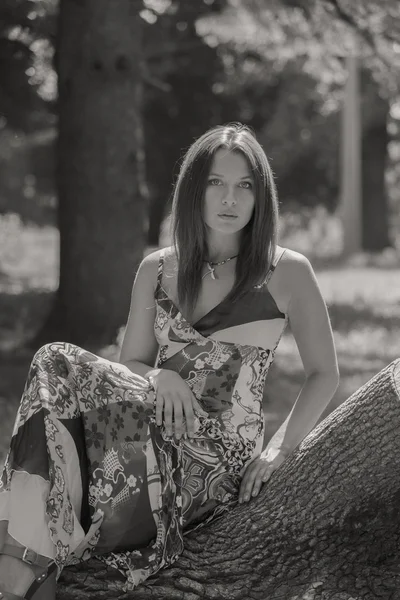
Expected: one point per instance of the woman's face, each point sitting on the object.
(229, 196)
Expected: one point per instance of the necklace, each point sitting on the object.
(211, 266)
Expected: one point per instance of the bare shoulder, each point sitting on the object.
(293, 273)
(294, 264)
(148, 268)
(296, 270)
(298, 279)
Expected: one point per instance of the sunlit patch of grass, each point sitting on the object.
(28, 278)
(28, 256)
(377, 288)
(370, 346)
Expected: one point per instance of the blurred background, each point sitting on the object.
(98, 102)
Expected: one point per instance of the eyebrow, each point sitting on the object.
(218, 175)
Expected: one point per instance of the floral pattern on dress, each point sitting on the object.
(121, 453)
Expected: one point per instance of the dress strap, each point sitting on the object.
(277, 258)
(160, 269)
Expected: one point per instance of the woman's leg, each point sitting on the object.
(129, 529)
(17, 576)
(82, 428)
(26, 526)
(34, 490)
(89, 420)
(27, 521)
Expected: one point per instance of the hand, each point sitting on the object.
(259, 471)
(175, 399)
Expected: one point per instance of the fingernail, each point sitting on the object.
(255, 493)
(246, 497)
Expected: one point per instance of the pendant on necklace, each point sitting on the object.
(211, 265)
(211, 271)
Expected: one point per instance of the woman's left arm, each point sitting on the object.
(311, 328)
(310, 325)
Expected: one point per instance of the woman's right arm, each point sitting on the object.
(174, 398)
(139, 346)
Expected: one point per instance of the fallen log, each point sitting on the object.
(325, 527)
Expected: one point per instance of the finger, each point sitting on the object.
(189, 416)
(242, 489)
(178, 424)
(159, 409)
(262, 476)
(168, 412)
(267, 473)
(247, 484)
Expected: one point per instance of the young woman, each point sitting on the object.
(117, 459)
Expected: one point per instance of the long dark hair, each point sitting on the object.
(259, 237)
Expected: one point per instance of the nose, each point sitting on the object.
(229, 200)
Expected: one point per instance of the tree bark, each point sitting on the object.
(325, 527)
(100, 174)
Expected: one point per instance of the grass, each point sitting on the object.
(363, 298)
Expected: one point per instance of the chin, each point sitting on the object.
(226, 226)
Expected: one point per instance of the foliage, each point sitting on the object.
(289, 91)
(27, 167)
(27, 103)
(180, 102)
(26, 49)
(284, 63)
(277, 66)
(371, 28)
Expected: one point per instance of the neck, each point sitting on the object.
(222, 248)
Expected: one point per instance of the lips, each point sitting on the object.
(227, 215)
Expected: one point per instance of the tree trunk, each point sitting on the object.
(325, 527)
(100, 169)
(375, 140)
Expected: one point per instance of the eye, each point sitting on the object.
(214, 181)
(247, 185)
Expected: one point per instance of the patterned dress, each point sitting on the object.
(113, 484)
